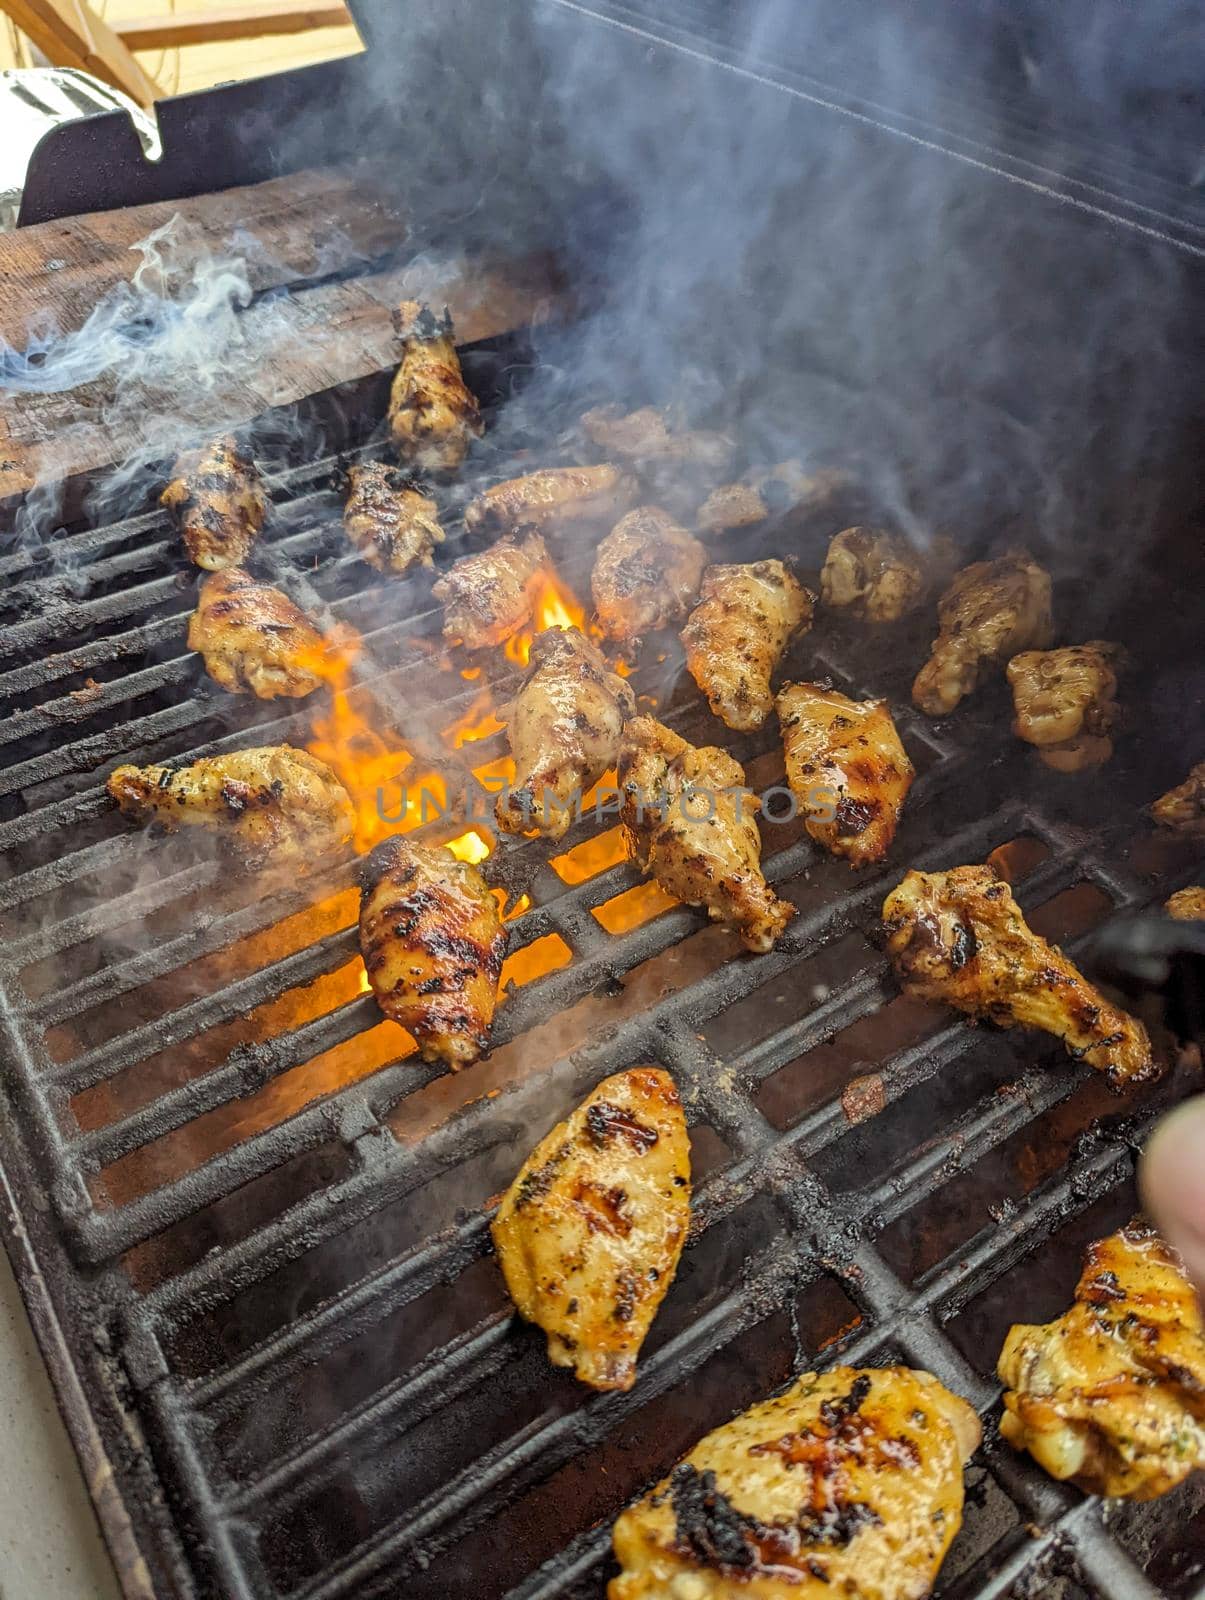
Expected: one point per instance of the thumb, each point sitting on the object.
(1171, 1177)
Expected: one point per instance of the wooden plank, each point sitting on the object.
(70, 34)
(257, 21)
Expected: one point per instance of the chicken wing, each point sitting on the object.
(490, 595)
(690, 823)
(589, 1234)
(554, 498)
(433, 415)
(1187, 905)
(737, 634)
(1112, 1393)
(770, 491)
(564, 731)
(992, 610)
(1183, 808)
(646, 573)
(849, 1483)
(959, 937)
(253, 637)
(218, 502)
(272, 804)
(649, 435)
(871, 574)
(432, 939)
(847, 767)
(1064, 700)
(389, 521)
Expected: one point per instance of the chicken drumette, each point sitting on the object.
(433, 415)
(390, 522)
(871, 574)
(1183, 808)
(992, 610)
(959, 937)
(691, 823)
(218, 502)
(1112, 1393)
(253, 637)
(1064, 703)
(848, 1484)
(767, 492)
(847, 768)
(1187, 905)
(554, 498)
(432, 939)
(272, 804)
(489, 596)
(676, 466)
(646, 574)
(737, 634)
(564, 731)
(589, 1234)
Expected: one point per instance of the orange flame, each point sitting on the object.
(556, 607)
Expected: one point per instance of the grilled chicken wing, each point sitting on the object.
(1112, 1393)
(432, 414)
(253, 637)
(871, 574)
(1183, 808)
(737, 634)
(489, 596)
(390, 522)
(1187, 905)
(218, 502)
(959, 937)
(690, 823)
(272, 804)
(554, 498)
(847, 767)
(1064, 700)
(589, 1234)
(432, 939)
(992, 610)
(649, 435)
(564, 731)
(769, 491)
(849, 1483)
(646, 573)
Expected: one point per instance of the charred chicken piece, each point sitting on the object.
(871, 574)
(392, 525)
(272, 804)
(1112, 1393)
(1187, 905)
(432, 939)
(849, 1483)
(489, 596)
(589, 1234)
(433, 415)
(1183, 808)
(737, 634)
(690, 824)
(959, 937)
(992, 610)
(564, 731)
(254, 638)
(646, 573)
(1064, 700)
(769, 491)
(554, 498)
(219, 504)
(847, 767)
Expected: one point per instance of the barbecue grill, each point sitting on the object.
(252, 1227)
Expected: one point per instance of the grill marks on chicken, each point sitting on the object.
(433, 416)
(959, 937)
(554, 498)
(253, 637)
(1112, 1393)
(1064, 703)
(489, 596)
(871, 574)
(737, 634)
(647, 572)
(992, 610)
(1183, 808)
(433, 943)
(847, 766)
(691, 824)
(390, 523)
(589, 1234)
(271, 804)
(848, 1483)
(219, 504)
(564, 731)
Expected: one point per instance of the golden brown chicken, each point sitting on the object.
(738, 633)
(649, 435)
(959, 937)
(646, 574)
(1064, 701)
(847, 767)
(992, 610)
(555, 498)
(770, 491)
(1112, 1393)
(589, 1234)
(219, 504)
(1183, 808)
(564, 730)
(871, 574)
(433, 415)
(490, 595)
(1187, 905)
(847, 1484)
(272, 804)
(391, 524)
(691, 823)
(253, 637)
(433, 943)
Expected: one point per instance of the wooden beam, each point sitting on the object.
(70, 34)
(253, 21)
